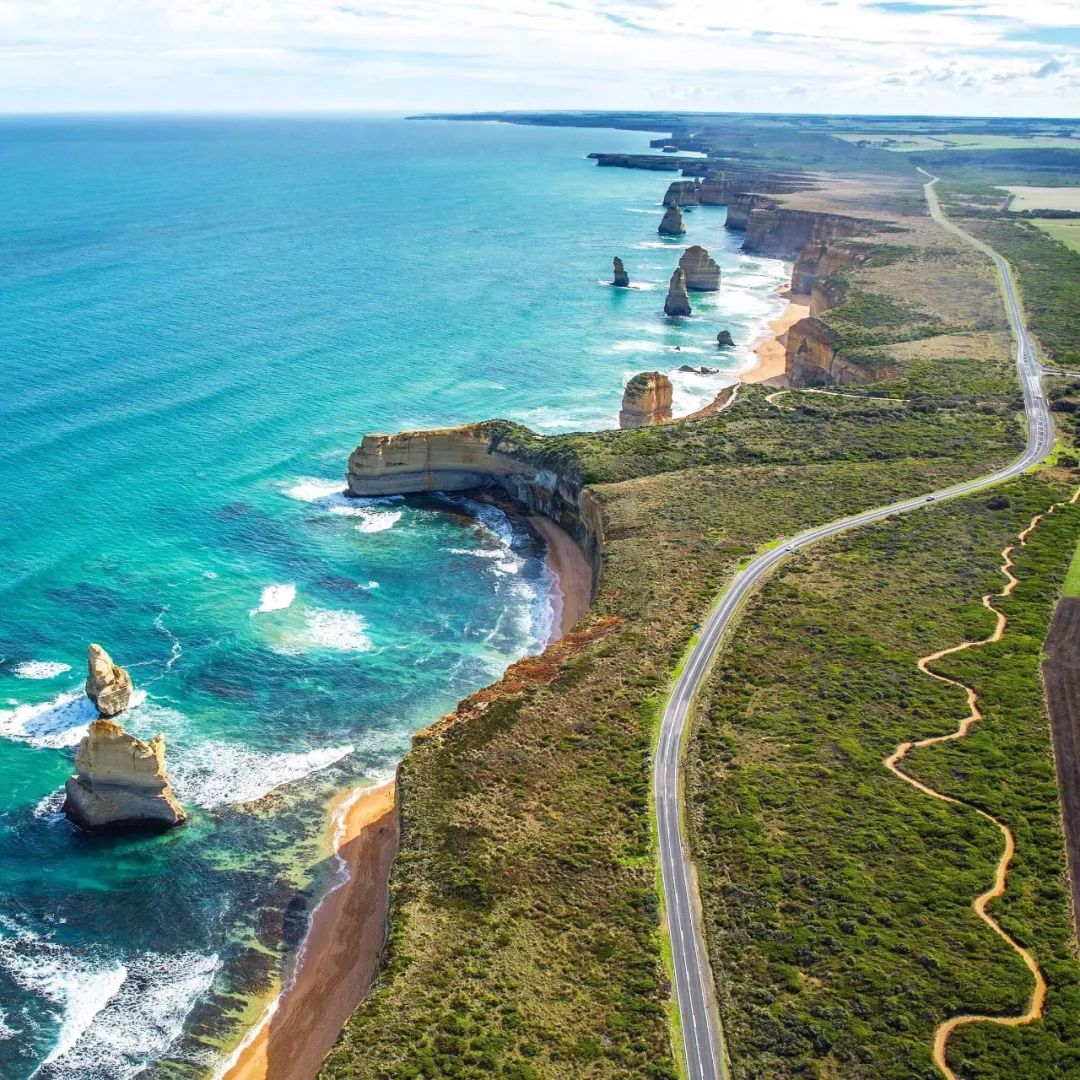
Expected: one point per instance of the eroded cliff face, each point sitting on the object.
(488, 455)
(813, 359)
(646, 400)
(783, 234)
(818, 260)
(739, 206)
(681, 193)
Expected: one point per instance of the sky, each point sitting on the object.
(970, 57)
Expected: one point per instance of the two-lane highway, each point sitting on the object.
(702, 1036)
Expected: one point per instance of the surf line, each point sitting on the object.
(982, 902)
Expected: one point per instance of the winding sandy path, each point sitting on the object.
(982, 902)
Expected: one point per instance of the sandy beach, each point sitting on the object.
(771, 352)
(341, 952)
(571, 585)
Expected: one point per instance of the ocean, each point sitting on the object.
(200, 319)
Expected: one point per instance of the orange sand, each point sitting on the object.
(771, 352)
(341, 952)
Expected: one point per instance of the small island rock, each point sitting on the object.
(622, 278)
(646, 400)
(672, 223)
(677, 302)
(108, 685)
(701, 269)
(121, 782)
(724, 340)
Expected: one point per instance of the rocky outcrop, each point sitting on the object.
(681, 193)
(672, 223)
(677, 302)
(818, 260)
(108, 685)
(739, 207)
(621, 279)
(496, 454)
(701, 270)
(782, 234)
(652, 162)
(646, 400)
(121, 782)
(724, 340)
(813, 358)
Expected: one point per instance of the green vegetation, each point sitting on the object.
(524, 922)
(1064, 230)
(838, 899)
(1048, 272)
(1072, 578)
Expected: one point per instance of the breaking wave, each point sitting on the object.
(40, 669)
(275, 598)
(107, 1014)
(227, 774)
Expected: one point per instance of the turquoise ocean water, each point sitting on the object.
(200, 319)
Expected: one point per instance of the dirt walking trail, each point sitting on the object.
(982, 902)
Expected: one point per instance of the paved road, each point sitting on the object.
(702, 1036)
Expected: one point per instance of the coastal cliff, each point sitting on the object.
(496, 454)
(783, 234)
(814, 359)
(646, 400)
(817, 261)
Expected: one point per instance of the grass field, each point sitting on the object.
(1044, 198)
(1064, 230)
(1072, 578)
(959, 141)
(837, 899)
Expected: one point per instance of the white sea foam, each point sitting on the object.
(50, 807)
(333, 496)
(378, 521)
(6, 1030)
(275, 598)
(40, 669)
(226, 774)
(337, 631)
(109, 1015)
(61, 722)
(312, 489)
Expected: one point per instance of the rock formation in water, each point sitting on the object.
(677, 301)
(724, 340)
(701, 269)
(108, 685)
(622, 278)
(646, 400)
(121, 782)
(672, 224)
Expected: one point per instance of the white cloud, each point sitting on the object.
(460, 54)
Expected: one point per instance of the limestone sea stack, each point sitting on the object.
(622, 278)
(108, 685)
(646, 400)
(672, 223)
(724, 340)
(121, 782)
(701, 270)
(677, 302)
